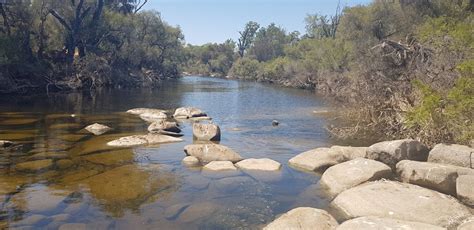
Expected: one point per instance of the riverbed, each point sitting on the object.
(96, 186)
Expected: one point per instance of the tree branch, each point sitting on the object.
(60, 19)
(140, 7)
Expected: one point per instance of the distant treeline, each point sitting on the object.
(52, 45)
(402, 68)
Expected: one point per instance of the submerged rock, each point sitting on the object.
(38, 199)
(349, 174)
(206, 132)
(188, 112)
(459, 155)
(191, 161)
(48, 155)
(163, 125)
(34, 166)
(212, 152)
(465, 189)
(197, 211)
(5, 144)
(73, 226)
(219, 166)
(118, 157)
(64, 164)
(97, 129)
(149, 139)
(322, 158)
(303, 218)
(376, 223)
(439, 177)
(401, 201)
(263, 164)
(138, 111)
(391, 152)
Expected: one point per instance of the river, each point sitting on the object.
(99, 187)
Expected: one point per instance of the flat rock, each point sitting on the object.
(351, 173)
(212, 152)
(138, 111)
(34, 166)
(206, 132)
(153, 117)
(439, 177)
(191, 161)
(97, 129)
(377, 223)
(219, 166)
(263, 164)
(48, 155)
(467, 224)
(303, 218)
(465, 189)
(188, 112)
(30, 220)
(117, 157)
(322, 158)
(198, 211)
(401, 201)
(459, 155)
(163, 125)
(149, 139)
(391, 152)
(73, 226)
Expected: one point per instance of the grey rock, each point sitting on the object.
(150, 139)
(391, 152)
(263, 164)
(459, 155)
(465, 189)
(212, 152)
(191, 161)
(97, 129)
(206, 132)
(219, 166)
(322, 158)
(377, 223)
(188, 112)
(303, 218)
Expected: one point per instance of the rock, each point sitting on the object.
(170, 133)
(173, 211)
(263, 164)
(198, 119)
(376, 223)
(73, 226)
(212, 152)
(64, 164)
(191, 161)
(48, 155)
(188, 112)
(439, 177)
(391, 152)
(163, 125)
(138, 111)
(465, 189)
(346, 175)
(110, 158)
(459, 155)
(219, 166)
(197, 211)
(229, 185)
(149, 139)
(322, 158)
(5, 144)
(38, 199)
(206, 132)
(399, 201)
(31, 220)
(467, 224)
(60, 217)
(97, 129)
(303, 218)
(153, 117)
(34, 166)
(275, 123)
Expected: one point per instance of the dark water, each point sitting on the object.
(82, 181)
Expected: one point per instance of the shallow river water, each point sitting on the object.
(85, 183)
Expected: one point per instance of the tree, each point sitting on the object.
(247, 36)
(322, 26)
(269, 42)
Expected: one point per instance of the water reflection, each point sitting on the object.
(58, 174)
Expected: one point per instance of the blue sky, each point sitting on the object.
(204, 21)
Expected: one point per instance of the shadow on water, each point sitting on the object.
(58, 174)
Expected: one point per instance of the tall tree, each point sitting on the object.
(247, 36)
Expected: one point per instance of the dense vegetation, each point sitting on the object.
(58, 45)
(401, 68)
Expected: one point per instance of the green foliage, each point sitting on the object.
(269, 43)
(209, 59)
(245, 68)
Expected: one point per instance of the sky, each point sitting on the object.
(204, 21)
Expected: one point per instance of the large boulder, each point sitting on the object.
(188, 112)
(149, 139)
(212, 152)
(467, 224)
(391, 152)
(439, 177)
(465, 189)
(459, 155)
(163, 125)
(322, 158)
(263, 164)
(351, 173)
(376, 223)
(34, 166)
(97, 129)
(401, 201)
(303, 218)
(219, 166)
(206, 132)
(138, 111)
(153, 117)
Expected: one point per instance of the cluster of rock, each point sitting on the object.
(397, 184)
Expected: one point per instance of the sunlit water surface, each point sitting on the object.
(87, 183)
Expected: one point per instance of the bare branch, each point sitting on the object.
(60, 19)
(140, 7)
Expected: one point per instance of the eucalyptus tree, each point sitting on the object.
(247, 37)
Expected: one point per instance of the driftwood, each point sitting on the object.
(402, 54)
